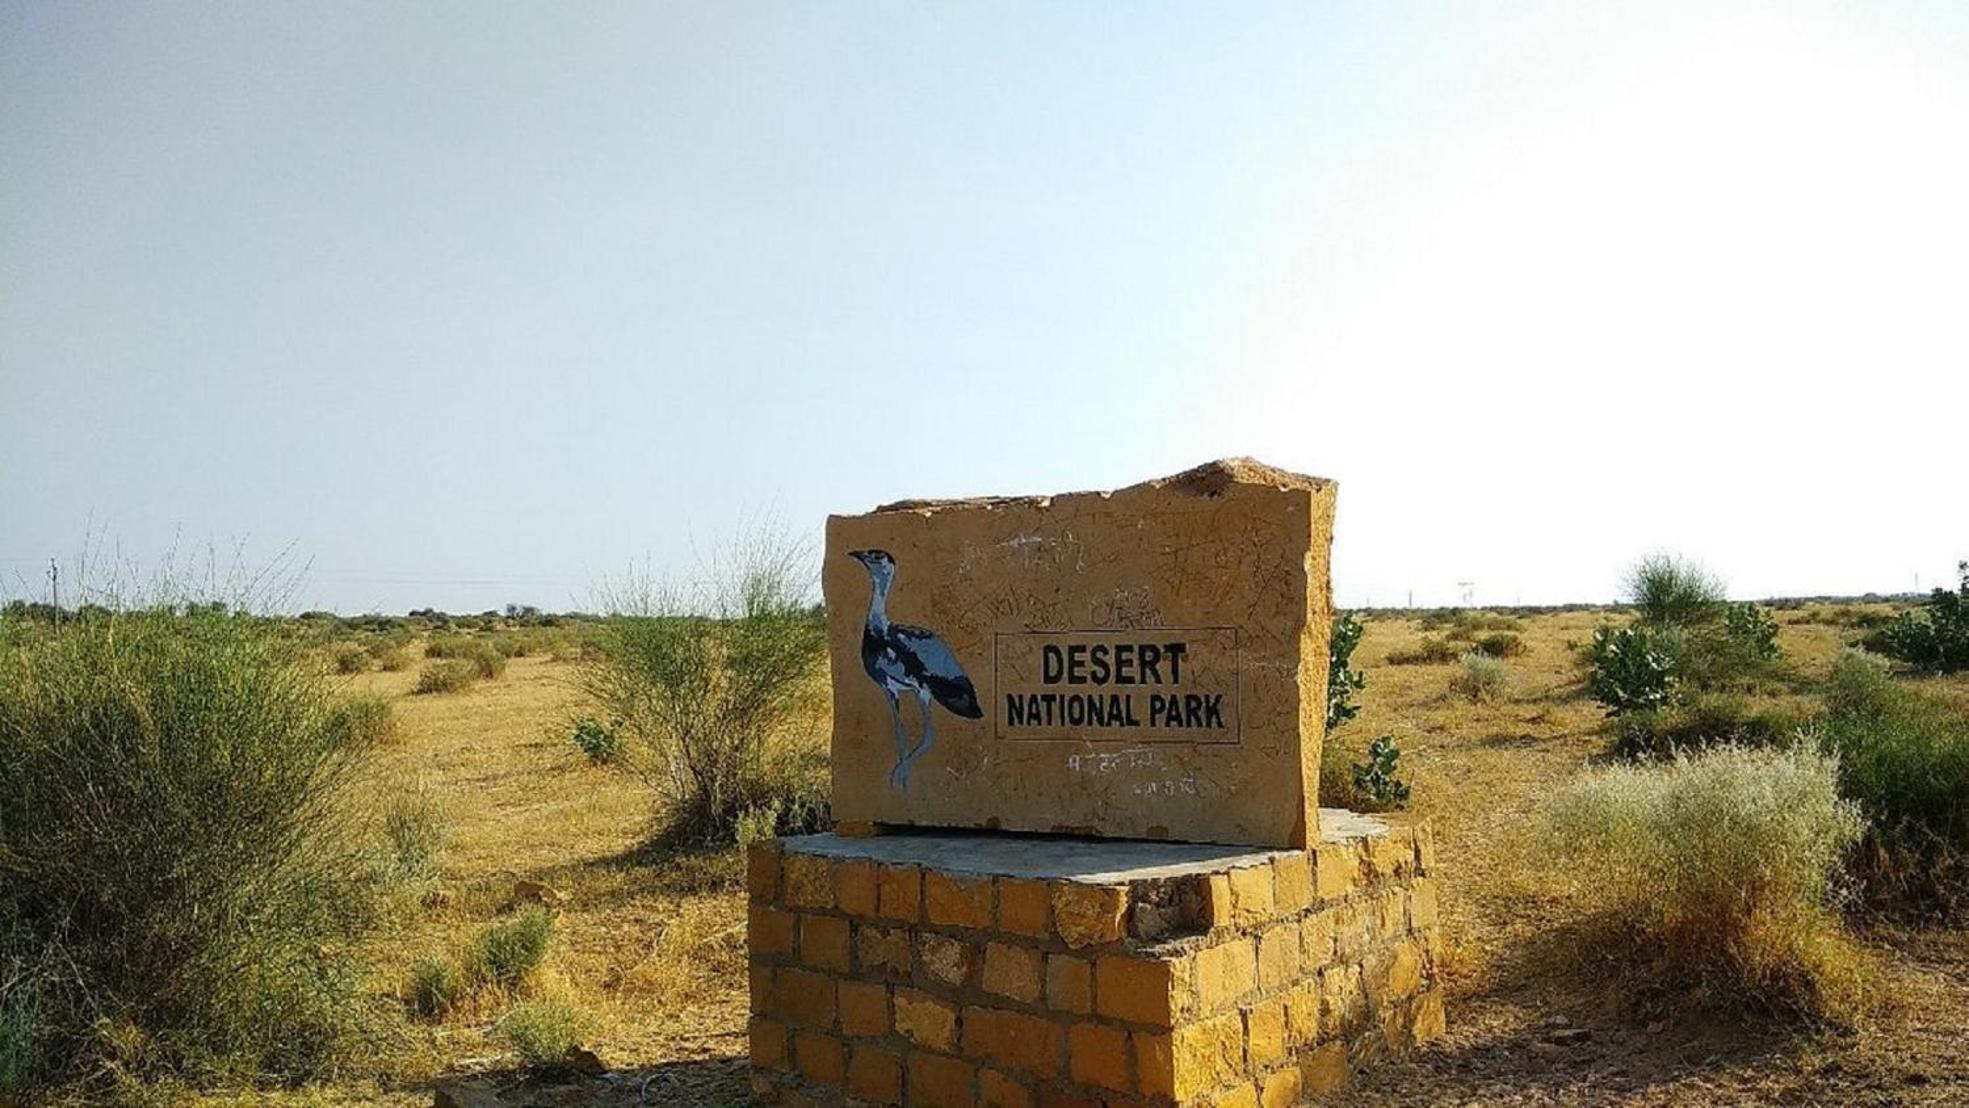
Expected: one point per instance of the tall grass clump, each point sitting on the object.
(454, 675)
(178, 891)
(544, 1033)
(366, 721)
(1670, 591)
(1904, 759)
(1482, 678)
(507, 952)
(715, 687)
(1717, 873)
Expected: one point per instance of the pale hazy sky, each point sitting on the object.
(469, 303)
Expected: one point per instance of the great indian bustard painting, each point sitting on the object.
(902, 659)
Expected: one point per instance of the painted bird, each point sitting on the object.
(902, 658)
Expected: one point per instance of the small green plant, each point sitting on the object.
(1500, 644)
(1937, 642)
(602, 744)
(509, 951)
(1343, 681)
(1378, 781)
(391, 658)
(1673, 592)
(415, 829)
(436, 986)
(544, 1033)
(1718, 869)
(349, 658)
(1633, 669)
(365, 720)
(451, 646)
(452, 676)
(1702, 720)
(1429, 651)
(1481, 679)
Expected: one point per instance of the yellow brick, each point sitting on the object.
(864, 1008)
(1264, 1032)
(1205, 1054)
(1425, 848)
(1217, 909)
(1429, 1021)
(1325, 1070)
(854, 887)
(820, 1057)
(761, 981)
(768, 930)
(770, 1044)
(1342, 1002)
(1244, 1096)
(824, 942)
(883, 951)
(1140, 990)
(807, 881)
(1224, 973)
(957, 901)
(925, 1020)
(1423, 908)
(1022, 906)
(1405, 971)
(1030, 1044)
(1302, 1013)
(899, 893)
(1098, 1056)
(1069, 984)
(804, 998)
(997, 1090)
(1391, 855)
(938, 1082)
(1292, 882)
(1355, 928)
(762, 870)
(1281, 1090)
(1013, 971)
(1278, 956)
(944, 960)
(1316, 940)
(1391, 913)
(1336, 867)
(1155, 1064)
(875, 1074)
(1088, 915)
(1251, 894)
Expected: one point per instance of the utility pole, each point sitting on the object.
(54, 592)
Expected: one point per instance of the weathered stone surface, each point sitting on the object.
(1144, 663)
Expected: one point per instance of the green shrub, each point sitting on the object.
(487, 662)
(544, 1033)
(1937, 642)
(415, 829)
(1904, 758)
(509, 951)
(1717, 870)
(349, 658)
(1343, 681)
(175, 868)
(706, 698)
(451, 646)
(448, 677)
(1428, 652)
(1633, 669)
(1703, 720)
(601, 744)
(365, 721)
(1669, 591)
(436, 986)
(1500, 644)
(1378, 780)
(1482, 678)
(391, 658)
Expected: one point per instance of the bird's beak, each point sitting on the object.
(859, 556)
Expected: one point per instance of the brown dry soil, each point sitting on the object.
(652, 948)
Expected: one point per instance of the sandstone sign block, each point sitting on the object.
(1143, 663)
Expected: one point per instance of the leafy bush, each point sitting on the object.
(1718, 869)
(1378, 781)
(1633, 669)
(1482, 678)
(391, 658)
(1500, 644)
(599, 743)
(447, 677)
(1904, 758)
(436, 986)
(1669, 591)
(349, 658)
(451, 646)
(714, 690)
(486, 662)
(1938, 643)
(1428, 652)
(365, 721)
(415, 829)
(1707, 719)
(508, 951)
(544, 1033)
(1342, 681)
(175, 869)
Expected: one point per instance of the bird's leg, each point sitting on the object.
(895, 715)
(929, 737)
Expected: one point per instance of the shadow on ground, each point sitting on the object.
(710, 1082)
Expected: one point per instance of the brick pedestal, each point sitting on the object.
(980, 970)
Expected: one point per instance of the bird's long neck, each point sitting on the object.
(878, 607)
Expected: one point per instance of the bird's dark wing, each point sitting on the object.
(931, 660)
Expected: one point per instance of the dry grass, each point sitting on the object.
(651, 951)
